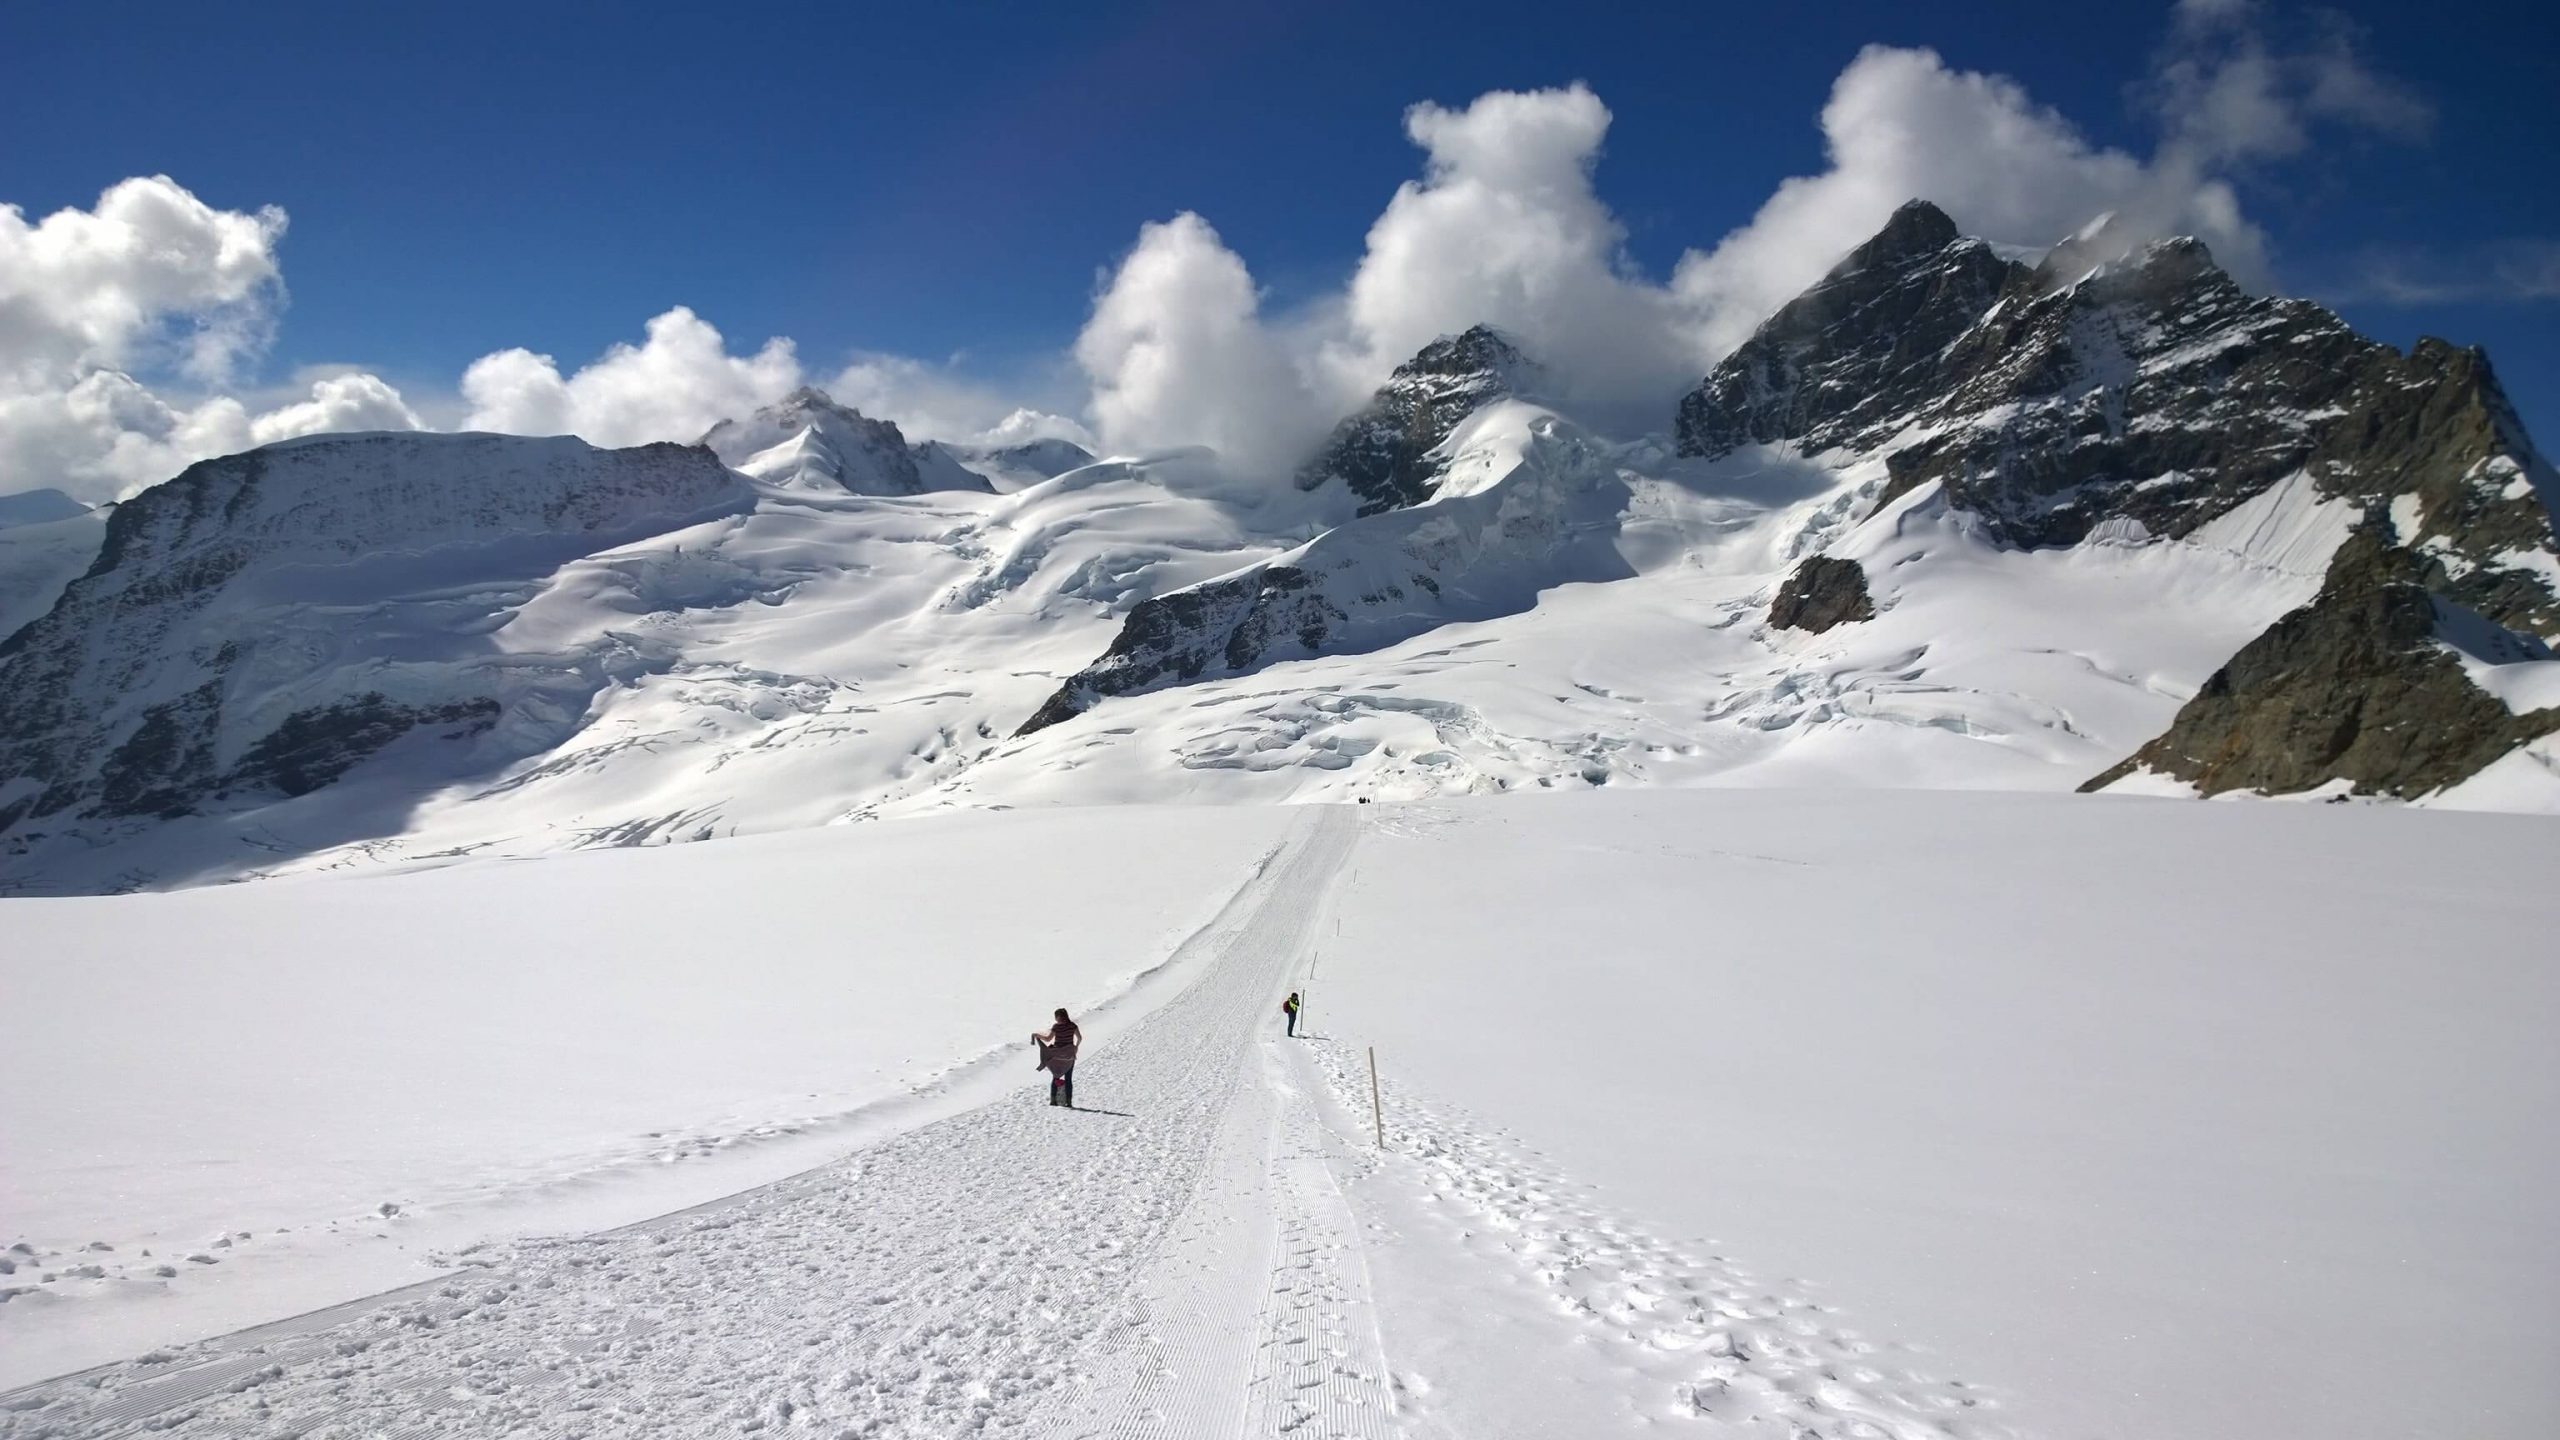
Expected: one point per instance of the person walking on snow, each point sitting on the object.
(1058, 1057)
(1289, 1007)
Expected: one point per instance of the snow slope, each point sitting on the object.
(803, 658)
(252, 1074)
(2165, 1119)
(2232, 1146)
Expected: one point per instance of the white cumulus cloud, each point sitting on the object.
(1902, 124)
(151, 268)
(150, 281)
(939, 402)
(123, 325)
(677, 383)
(1505, 228)
(1178, 355)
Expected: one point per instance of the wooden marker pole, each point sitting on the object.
(1377, 1114)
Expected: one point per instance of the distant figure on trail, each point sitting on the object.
(1289, 1007)
(1058, 1057)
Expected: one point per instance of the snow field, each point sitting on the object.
(2143, 1117)
(1671, 1333)
(322, 1086)
(1833, 1116)
(980, 1274)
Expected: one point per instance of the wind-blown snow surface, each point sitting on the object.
(2160, 1119)
(2009, 1115)
(250, 1074)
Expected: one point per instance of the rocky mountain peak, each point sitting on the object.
(1843, 362)
(2158, 274)
(1478, 350)
(1917, 230)
(2146, 391)
(1380, 453)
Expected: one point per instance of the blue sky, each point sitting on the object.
(941, 181)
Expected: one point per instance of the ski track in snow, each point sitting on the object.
(1759, 1358)
(1013, 1270)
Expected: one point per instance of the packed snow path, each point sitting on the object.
(1013, 1270)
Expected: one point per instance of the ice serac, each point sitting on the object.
(2365, 685)
(806, 441)
(265, 621)
(1382, 453)
(2148, 394)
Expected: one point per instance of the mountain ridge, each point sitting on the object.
(1946, 519)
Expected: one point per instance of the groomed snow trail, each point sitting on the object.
(1174, 1258)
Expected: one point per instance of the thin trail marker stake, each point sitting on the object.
(1377, 1115)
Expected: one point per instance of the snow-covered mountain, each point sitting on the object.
(1382, 453)
(38, 507)
(1948, 519)
(806, 441)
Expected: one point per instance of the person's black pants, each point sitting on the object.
(1293, 1022)
(1062, 1088)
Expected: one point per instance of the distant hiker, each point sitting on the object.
(1289, 1007)
(1058, 1057)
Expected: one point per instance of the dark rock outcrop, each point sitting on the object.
(1379, 579)
(2355, 686)
(1381, 452)
(312, 748)
(1230, 625)
(2151, 389)
(1824, 591)
(1841, 364)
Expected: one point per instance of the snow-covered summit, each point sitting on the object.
(239, 619)
(2145, 391)
(806, 441)
(38, 507)
(1005, 467)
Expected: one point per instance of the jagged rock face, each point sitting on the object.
(1841, 364)
(180, 665)
(1823, 592)
(1546, 520)
(2151, 391)
(2356, 686)
(1381, 453)
(1224, 625)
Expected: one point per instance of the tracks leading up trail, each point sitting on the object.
(1173, 1259)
